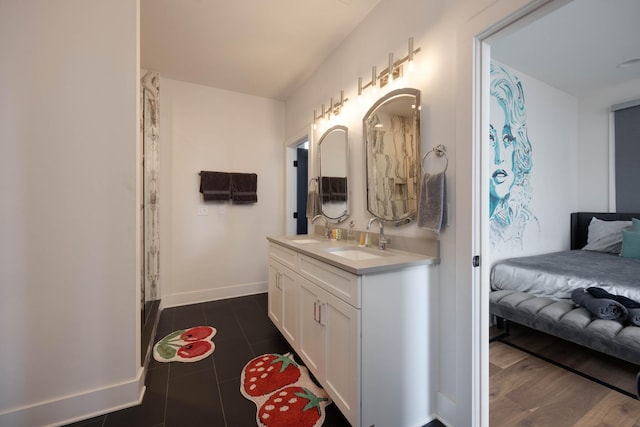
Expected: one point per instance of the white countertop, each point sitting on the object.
(378, 261)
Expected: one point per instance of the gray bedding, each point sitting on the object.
(556, 275)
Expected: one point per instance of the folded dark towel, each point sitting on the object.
(333, 189)
(634, 316)
(338, 188)
(215, 185)
(244, 187)
(601, 293)
(602, 308)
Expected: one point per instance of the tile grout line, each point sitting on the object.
(244, 335)
(166, 388)
(215, 373)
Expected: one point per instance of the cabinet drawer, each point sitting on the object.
(284, 256)
(340, 283)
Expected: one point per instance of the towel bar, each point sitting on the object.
(440, 151)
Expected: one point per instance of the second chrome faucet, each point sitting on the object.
(382, 240)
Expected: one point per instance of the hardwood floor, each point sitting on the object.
(528, 391)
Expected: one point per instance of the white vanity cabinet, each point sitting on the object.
(330, 345)
(364, 333)
(283, 293)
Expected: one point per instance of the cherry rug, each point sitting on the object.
(284, 393)
(185, 345)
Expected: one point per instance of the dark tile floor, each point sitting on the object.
(207, 393)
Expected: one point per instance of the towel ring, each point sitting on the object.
(440, 151)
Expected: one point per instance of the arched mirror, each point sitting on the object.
(392, 147)
(333, 182)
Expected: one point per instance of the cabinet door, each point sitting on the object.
(341, 324)
(330, 345)
(311, 343)
(288, 283)
(275, 295)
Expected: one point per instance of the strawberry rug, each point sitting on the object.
(185, 345)
(284, 394)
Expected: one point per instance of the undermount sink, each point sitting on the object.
(357, 254)
(302, 241)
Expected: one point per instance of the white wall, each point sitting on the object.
(593, 142)
(222, 254)
(552, 128)
(69, 315)
(436, 28)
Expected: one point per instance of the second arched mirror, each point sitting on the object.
(333, 150)
(392, 147)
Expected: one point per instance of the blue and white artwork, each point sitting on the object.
(510, 159)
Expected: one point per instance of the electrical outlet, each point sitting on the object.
(203, 211)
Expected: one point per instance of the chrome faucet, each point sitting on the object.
(382, 240)
(327, 229)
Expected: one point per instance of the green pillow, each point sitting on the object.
(635, 224)
(630, 244)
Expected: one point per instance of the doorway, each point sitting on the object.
(298, 171)
(491, 44)
(302, 184)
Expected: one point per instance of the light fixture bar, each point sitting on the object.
(334, 109)
(393, 69)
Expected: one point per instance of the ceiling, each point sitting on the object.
(577, 48)
(265, 48)
(268, 48)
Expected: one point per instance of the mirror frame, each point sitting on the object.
(409, 216)
(345, 214)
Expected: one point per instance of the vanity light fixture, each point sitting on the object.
(392, 72)
(374, 79)
(334, 110)
(412, 64)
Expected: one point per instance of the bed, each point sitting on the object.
(536, 291)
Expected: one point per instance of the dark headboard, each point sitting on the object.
(580, 224)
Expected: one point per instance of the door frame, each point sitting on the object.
(306, 133)
(503, 15)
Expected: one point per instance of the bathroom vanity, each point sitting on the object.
(362, 321)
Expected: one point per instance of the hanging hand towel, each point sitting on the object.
(215, 185)
(432, 208)
(244, 187)
(313, 199)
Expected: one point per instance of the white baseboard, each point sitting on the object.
(195, 297)
(78, 407)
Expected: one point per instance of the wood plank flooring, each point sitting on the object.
(527, 391)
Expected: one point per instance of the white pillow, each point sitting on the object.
(606, 236)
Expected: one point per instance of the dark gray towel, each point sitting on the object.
(601, 293)
(602, 308)
(333, 189)
(633, 307)
(244, 187)
(215, 185)
(634, 316)
(432, 206)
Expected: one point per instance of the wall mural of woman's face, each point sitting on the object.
(510, 159)
(502, 147)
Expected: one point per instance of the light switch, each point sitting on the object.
(203, 211)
